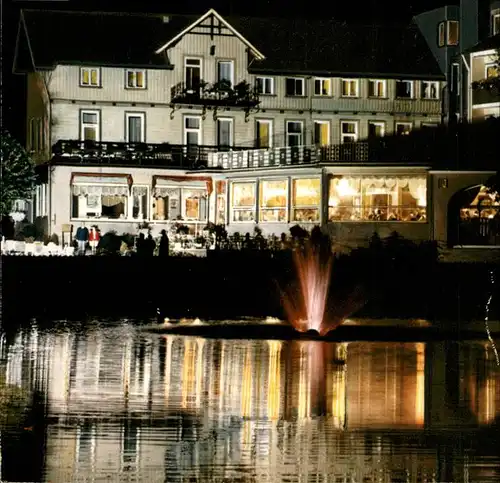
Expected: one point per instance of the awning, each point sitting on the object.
(97, 178)
(202, 182)
(99, 190)
(108, 184)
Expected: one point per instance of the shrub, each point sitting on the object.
(54, 239)
(110, 243)
(128, 239)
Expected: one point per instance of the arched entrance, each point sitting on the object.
(473, 218)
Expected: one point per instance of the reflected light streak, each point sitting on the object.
(486, 318)
(274, 379)
(188, 371)
(420, 385)
(246, 393)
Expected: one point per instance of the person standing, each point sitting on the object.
(164, 245)
(94, 238)
(82, 237)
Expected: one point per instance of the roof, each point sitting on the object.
(491, 43)
(300, 46)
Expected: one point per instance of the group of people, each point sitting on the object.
(84, 235)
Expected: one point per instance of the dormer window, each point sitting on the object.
(404, 89)
(90, 77)
(135, 79)
(448, 33)
(294, 86)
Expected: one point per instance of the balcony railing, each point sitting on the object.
(289, 156)
(135, 154)
(485, 96)
(218, 94)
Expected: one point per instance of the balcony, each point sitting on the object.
(102, 153)
(485, 96)
(289, 156)
(219, 94)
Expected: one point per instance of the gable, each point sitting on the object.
(211, 24)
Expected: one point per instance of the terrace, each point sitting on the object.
(144, 155)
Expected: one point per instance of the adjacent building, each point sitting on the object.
(234, 121)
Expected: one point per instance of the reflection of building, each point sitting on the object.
(121, 402)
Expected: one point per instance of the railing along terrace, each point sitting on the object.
(289, 156)
(220, 93)
(135, 154)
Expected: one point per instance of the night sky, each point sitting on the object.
(362, 11)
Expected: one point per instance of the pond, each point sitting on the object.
(115, 403)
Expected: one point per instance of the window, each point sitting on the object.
(404, 89)
(192, 130)
(376, 88)
(264, 85)
(243, 201)
(376, 129)
(224, 133)
(89, 125)
(90, 77)
(273, 199)
(430, 90)
(441, 34)
(294, 131)
(490, 70)
(452, 38)
(134, 122)
(348, 131)
(495, 24)
(136, 79)
(306, 199)
(264, 134)
(194, 204)
(294, 86)
(220, 189)
(225, 72)
(322, 87)
(403, 128)
(321, 133)
(349, 87)
(140, 202)
(377, 198)
(95, 199)
(192, 74)
(166, 204)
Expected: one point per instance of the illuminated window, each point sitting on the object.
(220, 188)
(452, 37)
(90, 77)
(136, 79)
(321, 133)
(348, 131)
(243, 201)
(490, 70)
(441, 34)
(403, 128)
(264, 133)
(140, 202)
(376, 129)
(101, 200)
(294, 86)
(265, 85)
(90, 125)
(404, 89)
(273, 198)
(389, 198)
(194, 205)
(350, 87)
(322, 87)
(306, 199)
(166, 204)
(376, 88)
(294, 133)
(429, 90)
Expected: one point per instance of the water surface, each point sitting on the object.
(114, 403)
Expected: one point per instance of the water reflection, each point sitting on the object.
(147, 408)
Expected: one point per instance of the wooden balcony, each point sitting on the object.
(485, 96)
(146, 155)
(219, 94)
